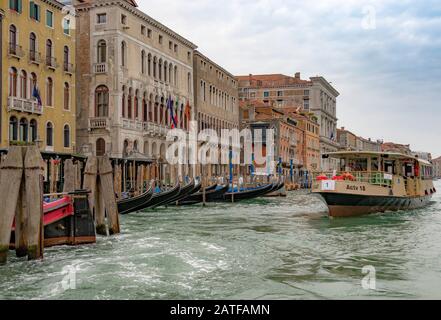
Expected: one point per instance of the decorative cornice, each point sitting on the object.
(138, 13)
(199, 54)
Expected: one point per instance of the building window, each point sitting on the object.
(306, 92)
(32, 47)
(23, 84)
(13, 129)
(66, 26)
(33, 129)
(306, 104)
(266, 94)
(66, 139)
(49, 52)
(160, 39)
(102, 52)
(13, 82)
(149, 64)
(34, 11)
(15, 5)
(66, 96)
(176, 48)
(170, 45)
(175, 81)
(49, 134)
(102, 102)
(188, 55)
(154, 67)
(123, 104)
(160, 69)
(143, 29)
(123, 54)
(49, 92)
(149, 33)
(123, 19)
(66, 58)
(33, 84)
(100, 147)
(280, 93)
(143, 62)
(13, 39)
(23, 130)
(101, 18)
(49, 19)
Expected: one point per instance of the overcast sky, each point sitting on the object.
(384, 57)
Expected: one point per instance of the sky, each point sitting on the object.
(384, 57)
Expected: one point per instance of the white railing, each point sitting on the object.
(155, 129)
(132, 124)
(24, 105)
(99, 123)
(100, 68)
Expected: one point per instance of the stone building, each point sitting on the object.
(315, 95)
(348, 141)
(396, 147)
(135, 79)
(38, 84)
(215, 99)
(437, 167)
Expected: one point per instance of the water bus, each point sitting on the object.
(371, 182)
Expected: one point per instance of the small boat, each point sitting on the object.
(183, 192)
(372, 182)
(126, 206)
(214, 194)
(160, 198)
(245, 194)
(67, 221)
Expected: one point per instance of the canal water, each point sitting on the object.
(265, 249)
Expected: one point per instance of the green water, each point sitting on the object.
(266, 249)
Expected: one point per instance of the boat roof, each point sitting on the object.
(390, 155)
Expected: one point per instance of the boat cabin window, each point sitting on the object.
(357, 165)
(389, 167)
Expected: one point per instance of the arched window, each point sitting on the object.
(136, 104)
(100, 147)
(33, 129)
(149, 64)
(12, 82)
(49, 91)
(33, 47)
(176, 76)
(101, 101)
(66, 136)
(49, 134)
(160, 69)
(66, 58)
(49, 52)
(154, 67)
(33, 81)
(170, 72)
(125, 148)
(135, 145)
(23, 84)
(129, 104)
(165, 71)
(23, 130)
(189, 82)
(66, 96)
(102, 52)
(123, 53)
(13, 129)
(143, 62)
(144, 109)
(123, 104)
(12, 39)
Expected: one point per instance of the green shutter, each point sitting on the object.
(11, 4)
(19, 6)
(32, 9)
(37, 9)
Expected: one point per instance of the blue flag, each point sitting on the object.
(170, 107)
(36, 95)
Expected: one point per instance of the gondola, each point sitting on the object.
(67, 221)
(215, 194)
(246, 194)
(183, 192)
(130, 205)
(161, 198)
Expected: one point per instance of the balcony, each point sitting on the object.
(132, 125)
(35, 57)
(100, 68)
(51, 63)
(154, 129)
(24, 105)
(99, 123)
(15, 51)
(68, 68)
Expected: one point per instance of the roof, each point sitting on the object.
(273, 78)
(391, 155)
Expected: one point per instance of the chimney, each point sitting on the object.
(343, 128)
(297, 75)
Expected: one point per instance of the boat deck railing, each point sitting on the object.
(377, 178)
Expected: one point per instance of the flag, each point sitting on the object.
(177, 120)
(187, 113)
(37, 96)
(170, 107)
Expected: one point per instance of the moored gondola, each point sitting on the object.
(126, 206)
(214, 194)
(239, 195)
(183, 192)
(160, 198)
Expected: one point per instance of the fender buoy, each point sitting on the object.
(348, 176)
(322, 178)
(338, 178)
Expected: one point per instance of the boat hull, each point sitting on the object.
(349, 205)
